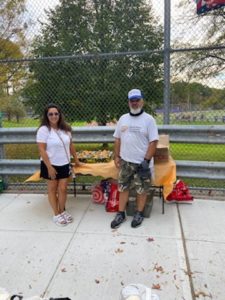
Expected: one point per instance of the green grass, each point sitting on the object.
(22, 123)
(199, 152)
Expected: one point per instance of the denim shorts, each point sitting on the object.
(129, 178)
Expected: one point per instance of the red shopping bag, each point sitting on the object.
(180, 193)
(98, 194)
(112, 204)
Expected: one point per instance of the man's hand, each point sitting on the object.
(144, 171)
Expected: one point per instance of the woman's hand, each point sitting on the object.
(52, 172)
(78, 163)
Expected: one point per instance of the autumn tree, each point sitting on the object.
(12, 43)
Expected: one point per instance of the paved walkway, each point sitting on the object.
(180, 254)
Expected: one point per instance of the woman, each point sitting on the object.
(55, 146)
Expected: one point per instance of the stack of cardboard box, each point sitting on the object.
(162, 150)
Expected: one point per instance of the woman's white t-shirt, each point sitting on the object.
(57, 154)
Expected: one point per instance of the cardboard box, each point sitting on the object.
(162, 150)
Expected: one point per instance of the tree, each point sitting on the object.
(208, 30)
(12, 43)
(10, 74)
(216, 99)
(93, 87)
(11, 106)
(193, 96)
(11, 20)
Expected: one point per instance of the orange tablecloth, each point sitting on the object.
(164, 173)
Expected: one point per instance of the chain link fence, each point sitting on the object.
(87, 56)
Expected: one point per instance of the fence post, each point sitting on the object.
(166, 53)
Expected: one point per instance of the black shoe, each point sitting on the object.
(118, 220)
(137, 219)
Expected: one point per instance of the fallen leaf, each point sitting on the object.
(118, 250)
(150, 239)
(201, 293)
(156, 286)
(158, 268)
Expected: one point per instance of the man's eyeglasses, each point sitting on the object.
(53, 114)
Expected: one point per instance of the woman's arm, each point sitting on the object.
(42, 151)
(73, 152)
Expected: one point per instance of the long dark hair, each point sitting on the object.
(61, 123)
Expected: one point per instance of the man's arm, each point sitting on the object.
(117, 152)
(151, 150)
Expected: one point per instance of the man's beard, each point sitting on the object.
(135, 111)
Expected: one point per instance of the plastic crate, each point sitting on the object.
(131, 205)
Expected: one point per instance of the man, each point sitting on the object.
(136, 138)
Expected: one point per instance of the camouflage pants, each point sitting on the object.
(129, 178)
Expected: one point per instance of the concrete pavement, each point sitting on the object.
(180, 254)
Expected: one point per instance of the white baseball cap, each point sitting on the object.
(135, 94)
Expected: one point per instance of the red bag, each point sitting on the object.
(112, 204)
(180, 193)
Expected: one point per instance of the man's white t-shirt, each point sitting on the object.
(56, 152)
(135, 134)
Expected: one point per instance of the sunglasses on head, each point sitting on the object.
(53, 114)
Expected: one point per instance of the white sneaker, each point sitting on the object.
(137, 292)
(59, 220)
(67, 216)
(4, 295)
